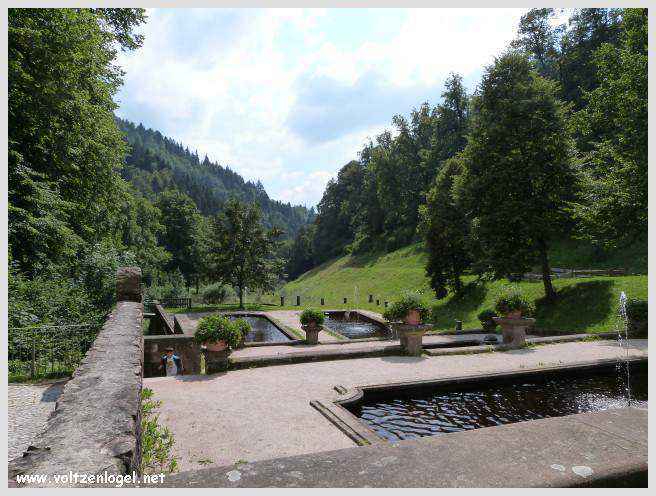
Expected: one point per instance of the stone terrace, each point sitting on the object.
(264, 413)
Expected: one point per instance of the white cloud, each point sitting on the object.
(234, 83)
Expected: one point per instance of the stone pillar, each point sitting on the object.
(216, 361)
(311, 334)
(128, 284)
(514, 330)
(411, 337)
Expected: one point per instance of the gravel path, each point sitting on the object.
(263, 413)
(29, 406)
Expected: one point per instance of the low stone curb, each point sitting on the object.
(390, 349)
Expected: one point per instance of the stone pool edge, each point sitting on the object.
(360, 433)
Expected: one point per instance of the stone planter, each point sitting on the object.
(411, 337)
(514, 330)
(413, 318)
(216, 347)
(217, 361)
(312, 331)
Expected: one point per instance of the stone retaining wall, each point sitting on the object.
(183, 346)
(96, 425)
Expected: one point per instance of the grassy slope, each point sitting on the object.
(587, 304)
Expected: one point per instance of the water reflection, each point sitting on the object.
(262, 330)
(354, 327)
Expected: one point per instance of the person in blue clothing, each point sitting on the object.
(171, 363)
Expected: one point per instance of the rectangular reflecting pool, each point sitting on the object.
(262, 330)
(417, 412)
(354, 325)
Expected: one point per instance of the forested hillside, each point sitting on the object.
(551, 146)
(156, 163)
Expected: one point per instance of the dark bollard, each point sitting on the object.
(458, 325)
(298, 301)
(377, 302)
(322, 302)
(371, 298)
(386, 304)
(282, 301)
(344, 301)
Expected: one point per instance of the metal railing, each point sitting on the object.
(48, 350)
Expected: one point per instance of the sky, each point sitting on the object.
(289, 96)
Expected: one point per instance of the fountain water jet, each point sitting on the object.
(623, 341)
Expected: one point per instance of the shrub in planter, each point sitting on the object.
(214, 329)
(243, 327)
(311, 315)
(512, 303)
(214, 294)
(636, 313)
(409, 308)
(485, 317)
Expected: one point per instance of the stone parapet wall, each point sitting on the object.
(96, 425)
(162, 322)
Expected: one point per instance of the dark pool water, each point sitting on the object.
(418, 413)
(354, 327)
(262, 330)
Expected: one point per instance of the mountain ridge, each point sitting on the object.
(156, 163)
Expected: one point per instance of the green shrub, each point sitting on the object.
(636, 310)
(242, 326)
(215, 294)
(215, 328)
(312, 315)
(156, 441)
(164, 292)
(410, 300)
(510, 299)
(485, 317)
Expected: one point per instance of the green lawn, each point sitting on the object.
(585, 304)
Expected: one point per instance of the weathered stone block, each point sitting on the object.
(128, 284)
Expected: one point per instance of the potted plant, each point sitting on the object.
(409, 308)
(636, 314)
(485, 317)
(311, 322)
(217, 333)
(513, 304)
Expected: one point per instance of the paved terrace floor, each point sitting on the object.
(264, 413)
(28, 409)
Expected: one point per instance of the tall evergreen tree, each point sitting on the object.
(446, 228)
(614, 126)
(519, 176)
(64, 146)
(182, 234)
